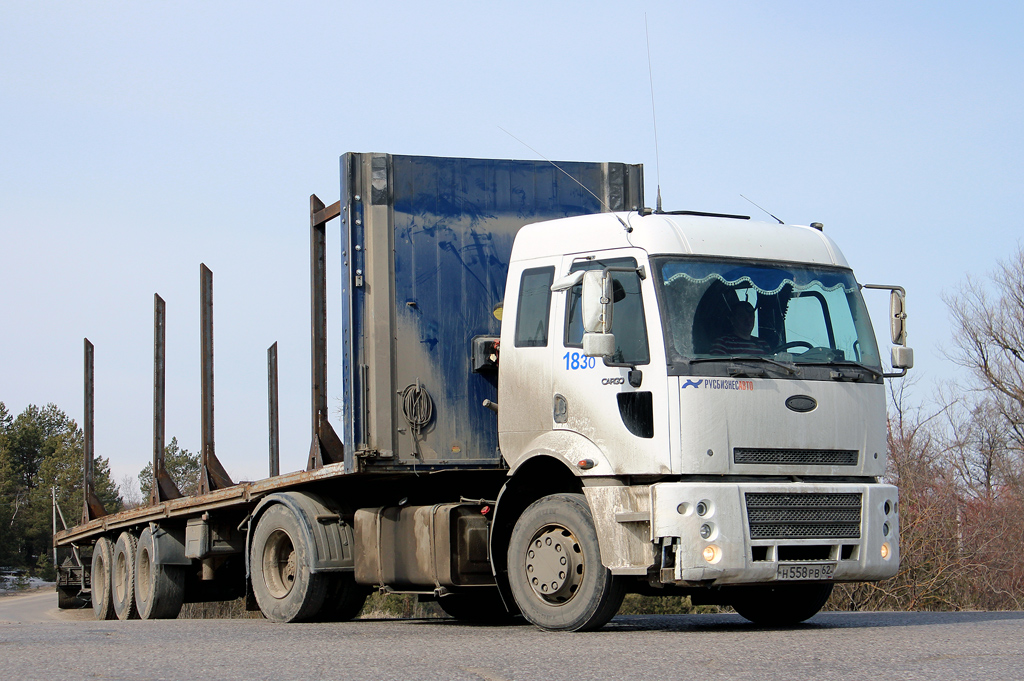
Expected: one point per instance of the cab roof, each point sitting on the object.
(669, 234)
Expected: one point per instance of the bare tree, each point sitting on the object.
(988, 334)
(980, 446)
(129, 490)
(933, 565)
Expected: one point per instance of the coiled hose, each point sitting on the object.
(418, 409)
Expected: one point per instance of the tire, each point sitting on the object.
(780, 605)
(159, 589)
(101, 578)
(68, 599)
(123, 577)
(343, 599)
(482, 605)
(555, 570)
(280, 563)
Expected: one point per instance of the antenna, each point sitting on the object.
(585, 188)
(762, 209)
(654, 114)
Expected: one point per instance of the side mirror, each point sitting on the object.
(598, 344)
(898, 316)
(596, 305)
(597, 302)
(902, 356)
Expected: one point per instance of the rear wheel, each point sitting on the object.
(280, 564)
(159, 589)
(780, 605)
(555, 570)
(482, 605)
(123, 581)
(100, 577)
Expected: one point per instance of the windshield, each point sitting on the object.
(798, 314)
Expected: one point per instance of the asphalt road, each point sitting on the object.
(39, 642)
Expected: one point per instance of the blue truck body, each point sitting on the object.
(447, 226)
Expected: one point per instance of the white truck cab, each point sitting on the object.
(716, 385)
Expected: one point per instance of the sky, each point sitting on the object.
(138, 140)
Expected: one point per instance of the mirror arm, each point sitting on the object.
(886, 287)
(567, 282)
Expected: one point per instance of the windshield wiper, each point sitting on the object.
(741, 358)
(857, 365)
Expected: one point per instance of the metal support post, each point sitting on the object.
(163, 487)
(272, 415)
(92, 508)
(212, 474)
(326, 447)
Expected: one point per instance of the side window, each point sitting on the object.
(534, 304)
(628, 322)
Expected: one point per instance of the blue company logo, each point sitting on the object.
(695, 384)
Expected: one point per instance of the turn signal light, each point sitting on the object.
(712, 554)
(886, 551)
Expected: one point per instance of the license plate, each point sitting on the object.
(806, 571)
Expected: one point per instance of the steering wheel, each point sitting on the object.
(796, 344)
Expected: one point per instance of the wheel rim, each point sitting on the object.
(554, 564)
(279, 564)
(121, 577)
(144, 576)
(101, 574)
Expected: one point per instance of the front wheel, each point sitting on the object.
(555, 570)
(780, 605)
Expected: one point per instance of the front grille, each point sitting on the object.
(805, 457)
(803, 516)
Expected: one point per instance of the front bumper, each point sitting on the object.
(753, 528)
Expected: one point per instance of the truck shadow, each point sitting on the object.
(734, 623)
(822, 621)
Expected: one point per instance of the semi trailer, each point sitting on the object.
(551, 396)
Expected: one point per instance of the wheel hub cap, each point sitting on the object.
(554, 564)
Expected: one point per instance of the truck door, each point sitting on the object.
(593, 396)
(524, 390)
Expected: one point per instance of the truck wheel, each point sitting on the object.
(344, 598)
(555, 570)
(780, 605)
(483, 605)
(123, 577)
(159, 589)
(101, 579)
(284, 586)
